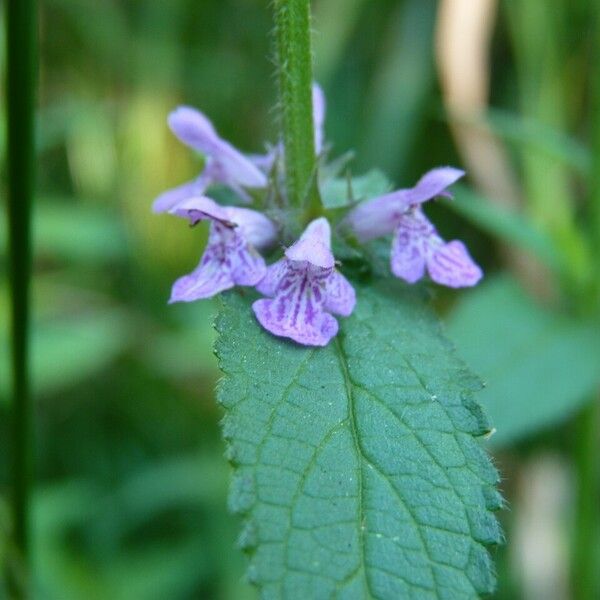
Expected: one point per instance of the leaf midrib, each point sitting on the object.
(343, 360)
(363, 458)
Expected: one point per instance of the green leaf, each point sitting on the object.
(343, 191)
(539, 366)
(356, 465)
(73, 232)
(508, 225)
(531, 134)
(69, 350)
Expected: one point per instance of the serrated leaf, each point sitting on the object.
(356, 465)
(343, 191)
(539, 366)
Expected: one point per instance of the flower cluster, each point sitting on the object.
(303, 288)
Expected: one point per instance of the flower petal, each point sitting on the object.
(407, 259)
(299, 324)
(194, 129)
(303, 286)
(340, 297)
(296, 311)
(380, 216)
(375, 218)
(257, 229)
(200, 208)
(432, 184)
(232, 168)
(314, 245)
(319, 108)
(450, 264)
(264, 162)
(225, 164)
(207, 280)
(228, 260)
(275, 272)
(171, 198)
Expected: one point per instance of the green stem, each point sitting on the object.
(585, 554)
(594, 186)
(294, 70)
(21, 23)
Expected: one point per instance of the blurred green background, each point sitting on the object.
(131, 494)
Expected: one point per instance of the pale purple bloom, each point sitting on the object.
(416, 247)
(224, 164)
(303, 288)
(231, 256)
(319, 109)
(265, 162)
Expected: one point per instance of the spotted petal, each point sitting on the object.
(228, 260)
(305, 287)
(450, 264)
(278, 320)
(269, 284)
(207, 280)
(410, 247)
(340, 297)
(297, 312)
(417, 246)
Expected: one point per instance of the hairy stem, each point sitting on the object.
(294, 70)
(21, 23)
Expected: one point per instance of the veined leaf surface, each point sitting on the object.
(356, 464)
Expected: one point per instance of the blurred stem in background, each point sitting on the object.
(594, 190)
(20, 98)
(585, 553)
(295, 76)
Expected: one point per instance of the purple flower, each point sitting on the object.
(416, 246)
(319, 109)
(230, 257)
(224, 164)
(304, 287)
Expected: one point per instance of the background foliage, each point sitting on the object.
(132, 483)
